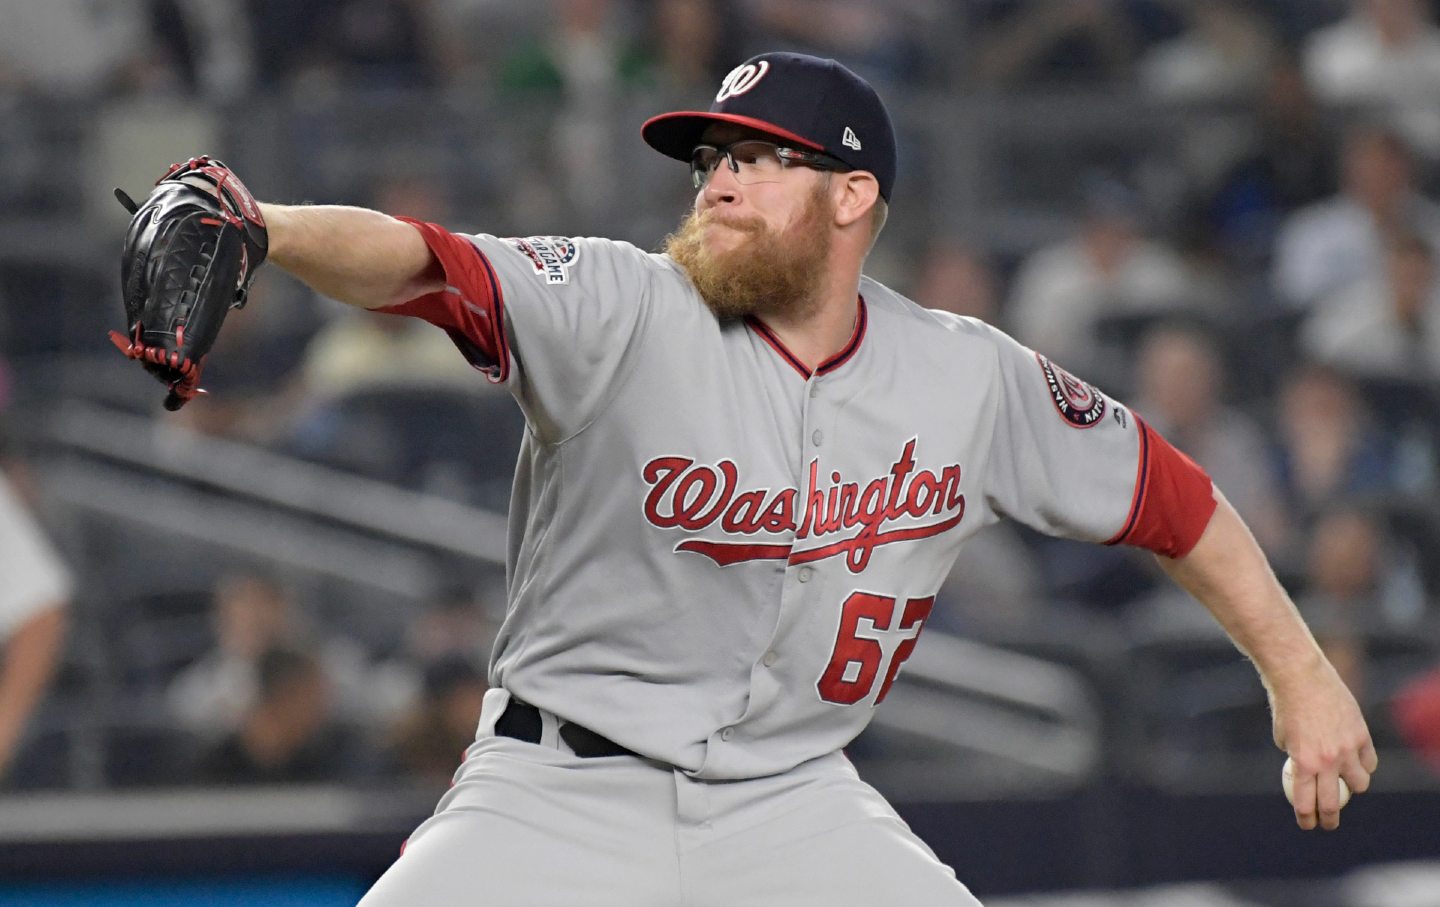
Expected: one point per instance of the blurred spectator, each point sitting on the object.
(1285, 160)
(1040, 41)
(359, 349)
(1062, 292)
(1357, 582)
(75, 48)
(1179, 392)
(584, 52)
(446, 647)
(1330, 244)
(1387, 326)
(289, 734)
(1386, 54)
(208, 43)
(956, 277)
(1297, 19)
(578, 69)
(1384, 49)
(470, 36)
(458, 440)
(308, 45)
(410, 192)
(251, 616)
(34, 595)
(694, 44)
(365, 44)
(381, 43)
(430, 741)
(1416, 713)
(882, 41)
(253, 613)
(1222, 55)
(456, 625)
(287, 34)
(1327, 444)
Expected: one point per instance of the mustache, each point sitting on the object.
(752, 224)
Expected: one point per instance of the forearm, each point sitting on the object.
(1316, 719)
(357, 256)
(29, 661)
(1227, 572)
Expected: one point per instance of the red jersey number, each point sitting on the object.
(873, 642)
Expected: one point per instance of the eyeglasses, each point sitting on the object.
(753, 161)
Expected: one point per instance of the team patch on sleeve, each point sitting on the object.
(1078, 403)
(550, 256)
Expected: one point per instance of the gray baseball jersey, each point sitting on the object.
(721, 559)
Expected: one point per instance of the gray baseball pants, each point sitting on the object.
(533, 824)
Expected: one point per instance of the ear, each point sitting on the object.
(854, 194)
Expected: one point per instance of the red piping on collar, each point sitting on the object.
(829, 365)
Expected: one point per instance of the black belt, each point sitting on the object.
(521, 720)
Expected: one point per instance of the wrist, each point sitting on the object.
(1294, 669)
(285, 249)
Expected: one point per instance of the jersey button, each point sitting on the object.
(814, 390)
(817, 437)
(727, 733)
(769, 659)
(805, 574)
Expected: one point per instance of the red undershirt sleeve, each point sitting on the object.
(1173, 499)
(470, 308)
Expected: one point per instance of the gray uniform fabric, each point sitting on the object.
(532, 825)
(721, 561)
(691, 513)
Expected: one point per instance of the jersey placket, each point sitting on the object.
(778, 670)
(775, 672)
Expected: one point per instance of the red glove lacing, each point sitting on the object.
(182, 389)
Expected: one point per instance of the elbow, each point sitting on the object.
(431, 280)
(423, 275)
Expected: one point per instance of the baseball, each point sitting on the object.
(1287, 781)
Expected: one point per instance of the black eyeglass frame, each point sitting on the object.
(815, 160)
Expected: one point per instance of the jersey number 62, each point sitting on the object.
(874, 639)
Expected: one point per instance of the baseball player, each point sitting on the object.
(747, 470)
(34, 603)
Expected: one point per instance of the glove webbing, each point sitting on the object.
(182, 389)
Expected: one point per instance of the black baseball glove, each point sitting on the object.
(191, 252)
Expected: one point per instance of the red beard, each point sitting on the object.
(768, 272)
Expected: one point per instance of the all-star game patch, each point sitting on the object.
(551, 256)
(1078, 403)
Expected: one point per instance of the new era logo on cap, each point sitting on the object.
(807, 101)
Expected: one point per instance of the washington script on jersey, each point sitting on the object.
(696, 496)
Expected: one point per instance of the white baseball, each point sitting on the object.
(1287, 781)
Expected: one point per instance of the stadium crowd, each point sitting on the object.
(1222, 212)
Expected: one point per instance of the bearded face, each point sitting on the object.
(767, 272)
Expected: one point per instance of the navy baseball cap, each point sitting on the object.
(815, 103)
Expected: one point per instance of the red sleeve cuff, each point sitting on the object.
(471, 308)
(1173, 499)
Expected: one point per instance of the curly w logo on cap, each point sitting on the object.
(814, 103)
